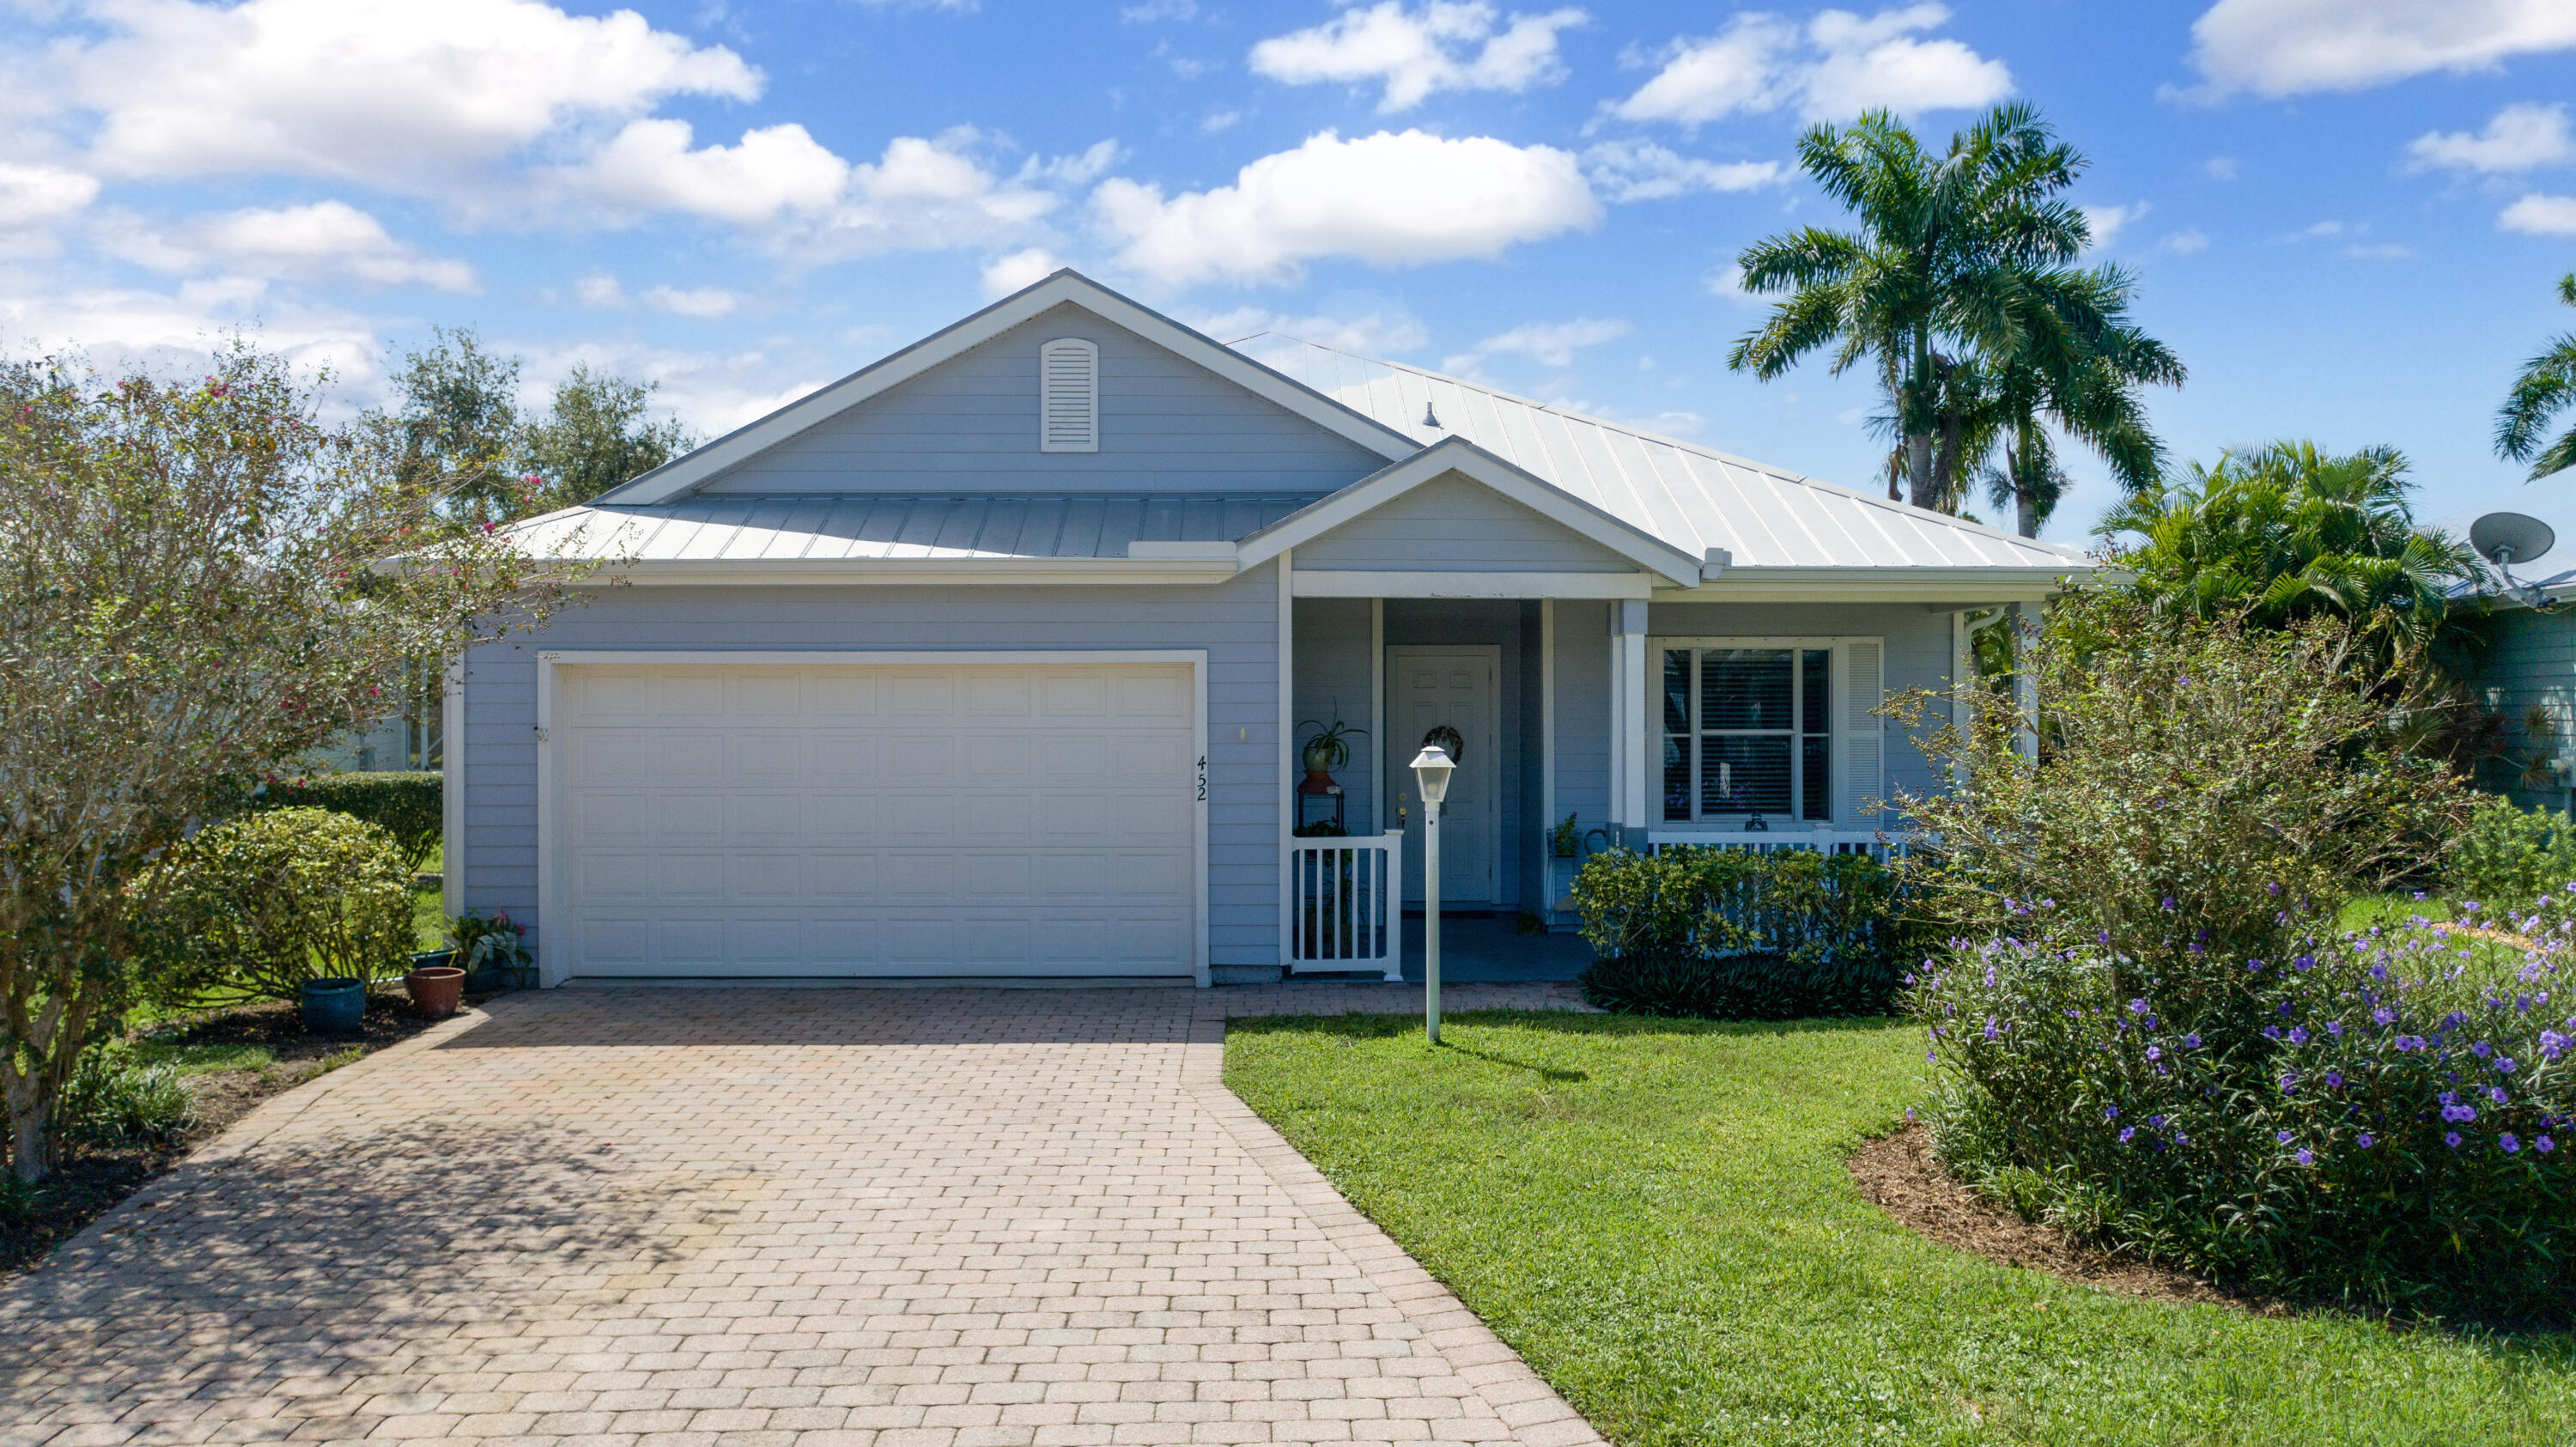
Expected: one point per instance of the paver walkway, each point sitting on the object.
(697, 1218)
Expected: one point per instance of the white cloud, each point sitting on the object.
(1644, 171)
(1727, 283)
(2219, 168)
(599, 289)
(1021, 269)
(326, 241)
(1392, 199)
(1373, 334)
(2190, 241)
(2520, 138)
(650, 167)
(392, 93)
(1550, 344)
(2539, 214)
(705, 303)
(33, 195)
(1840, 64)
(1415, 54)
(2281, 48)
(2107, 222)
(933, 193)
(177, 329)
(1154, 10)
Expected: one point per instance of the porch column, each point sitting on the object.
(1630, 695)
(1287, 742)
(2027, 618)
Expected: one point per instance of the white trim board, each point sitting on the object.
(1317, 583)
(682, 475)
(910, 572)
(550, 973)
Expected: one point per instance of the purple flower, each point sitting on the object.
(2383, 1016)
(2544, 1145)
(2334, 1027)
(2155, 1052)
(2126, 1132)
(2289, 1085)
(2505, 1063)
(2511, 1145)
(2191, 1042)
(2496, 1094)
(2137, 1007)
(2298, 1034)
(2459, 1114)
(2307, 1157)
(2110, 1112)
(1991, 1031)
(2334, 1080)
(2482, 1050)
(2271, 1032)
(2365, 1140)
(2169, 904)
(2281, 1137)
(2103, 938)
(2155, 1122)
(2451, 1139)
(2304, 962)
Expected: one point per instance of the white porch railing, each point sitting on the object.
(1346, 904)
(1878, 846)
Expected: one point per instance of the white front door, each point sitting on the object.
(891, 820)
(1458, 686)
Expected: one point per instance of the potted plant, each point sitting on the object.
(437, 987)
(1563, 841)
(1330, 748)
(332, 1005)
(489, 952)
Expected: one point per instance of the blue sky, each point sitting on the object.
(2346, 215)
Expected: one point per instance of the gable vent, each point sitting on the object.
(1068, 396)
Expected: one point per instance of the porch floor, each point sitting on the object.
(1487, 950)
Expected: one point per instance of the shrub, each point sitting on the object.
(258, 905)
(406, 804)
(112, 1097)
(2399, 1129)
(2510, 856)
(1734, 934)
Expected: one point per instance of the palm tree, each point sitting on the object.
(2547, 385)
(1960, 262)
(2286, 532)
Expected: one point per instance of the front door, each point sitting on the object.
(1431, 686)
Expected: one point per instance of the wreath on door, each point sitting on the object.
(1449, 741)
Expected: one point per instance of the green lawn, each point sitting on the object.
(1656, 1214)
(429, 922)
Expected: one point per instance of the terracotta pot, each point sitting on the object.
(436, 990)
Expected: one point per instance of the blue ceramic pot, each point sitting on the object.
(334, 1007)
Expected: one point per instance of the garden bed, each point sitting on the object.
(230, 1060)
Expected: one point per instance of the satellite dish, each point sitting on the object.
(2511, 537)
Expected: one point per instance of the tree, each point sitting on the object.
(596, 436)
(459, 424)
(199, 581)
(2287, 532)
(2546, 387)
(2088, 387)
(1961, 271)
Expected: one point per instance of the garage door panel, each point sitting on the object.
(901, 820)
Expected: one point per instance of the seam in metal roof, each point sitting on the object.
(839, 526)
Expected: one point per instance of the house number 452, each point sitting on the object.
(1202, 778)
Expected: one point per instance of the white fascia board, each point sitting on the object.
(738, 572)
(1881, 585)
(1319, 583)
(680, 476)
(1456, 454)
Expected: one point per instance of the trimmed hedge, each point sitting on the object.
(406, 804)
(253, 907)
(1738, 935)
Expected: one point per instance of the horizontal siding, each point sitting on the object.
(1334, 663)
(2532, 666)
(971, 425)
(1452, 525)
(1236, 623)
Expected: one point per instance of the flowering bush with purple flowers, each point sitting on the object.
(2409, 1140)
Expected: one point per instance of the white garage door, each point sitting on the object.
(976, 819)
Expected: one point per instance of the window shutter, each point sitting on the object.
(1858, 735)
(1068, 396)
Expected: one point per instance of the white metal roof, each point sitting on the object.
(1690, 496)
(836, 527)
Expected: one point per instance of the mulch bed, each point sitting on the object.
(1899, 1174)
(90, 1180)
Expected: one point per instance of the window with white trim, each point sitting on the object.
(1068, 396)
(1781, 727)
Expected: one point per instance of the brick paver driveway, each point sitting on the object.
(816, 1217)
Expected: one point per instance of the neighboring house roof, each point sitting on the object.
(1692, 497)
(1670, 506)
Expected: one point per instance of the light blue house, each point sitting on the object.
(2527, 678)
(994, 659)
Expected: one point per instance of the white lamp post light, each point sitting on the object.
(1431, 770)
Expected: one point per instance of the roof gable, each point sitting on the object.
(707, 467)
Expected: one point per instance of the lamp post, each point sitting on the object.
(1431, 770)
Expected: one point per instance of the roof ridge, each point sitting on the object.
(1767, 469)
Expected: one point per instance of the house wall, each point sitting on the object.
(1235, 622)
(1334, 661)
(1453, 525)
(2532, 665)
(1478, 620)
(970, 425)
